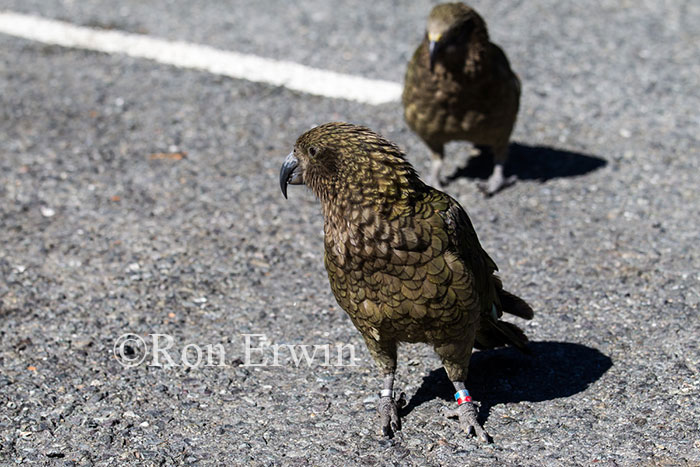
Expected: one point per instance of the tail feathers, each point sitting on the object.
(499, 333)
(515, 305)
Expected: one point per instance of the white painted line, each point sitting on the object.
(185, 55)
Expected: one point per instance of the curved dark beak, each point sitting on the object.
(290, 173)
(433, 47)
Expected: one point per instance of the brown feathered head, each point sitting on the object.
(453, 24)
(343, 161)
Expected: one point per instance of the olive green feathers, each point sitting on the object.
(403, 259)
(459, 86)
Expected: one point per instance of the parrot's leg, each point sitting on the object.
(388, 410)
(437, 153)
(466, 411)
(455, 358)
(497, 181)
(384, 354)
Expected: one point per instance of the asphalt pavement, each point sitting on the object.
(142, 199)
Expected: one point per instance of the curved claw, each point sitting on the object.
(468, 421)
(390, 421)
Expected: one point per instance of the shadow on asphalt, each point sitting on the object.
(555, 369)
(540, 163)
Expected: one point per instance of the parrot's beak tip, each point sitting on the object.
(290, 173)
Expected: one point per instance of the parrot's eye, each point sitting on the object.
(312, 151)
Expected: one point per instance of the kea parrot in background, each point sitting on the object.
(403, 259)
(459, 86)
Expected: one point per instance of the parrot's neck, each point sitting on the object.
(378, 196)
(349, 228)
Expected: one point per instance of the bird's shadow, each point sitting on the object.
(540, 163)
(554, 370)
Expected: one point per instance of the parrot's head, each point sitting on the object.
(451, 24)
(341, 158)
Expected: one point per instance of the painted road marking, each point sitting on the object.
(201, 57)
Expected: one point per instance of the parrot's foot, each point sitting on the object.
(496, 182)
(468, 421)
(388, 411)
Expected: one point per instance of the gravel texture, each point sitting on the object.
(104, 235)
